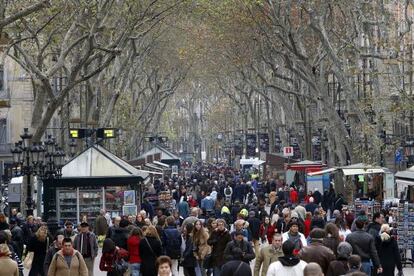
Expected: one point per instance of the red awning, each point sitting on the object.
(305, 166)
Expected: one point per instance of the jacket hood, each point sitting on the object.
(289, 260)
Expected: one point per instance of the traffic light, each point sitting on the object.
(77, 133)
(106, 133)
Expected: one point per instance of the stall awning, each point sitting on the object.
(98, 162)
(252, 161)
(356, 169)
(361, 171)
(305, 165)
(330, 170)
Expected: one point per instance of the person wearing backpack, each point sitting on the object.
(171, 241)
(68, 261)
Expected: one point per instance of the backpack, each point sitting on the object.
(227, 191)
(173, 246)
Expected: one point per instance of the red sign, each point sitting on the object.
(287, 151)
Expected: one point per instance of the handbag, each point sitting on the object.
(28, 260)
(120, 265)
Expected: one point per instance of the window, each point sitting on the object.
(3, 131)
(1, 77)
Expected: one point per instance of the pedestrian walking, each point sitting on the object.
(150, 249)
(67, 261)
(38, 246)
(240, 243)
(389, 253)
(236, 267)
(295, 236)
(111, 259)
(268, 255)
(288, 264)
(87, 244)
(133, 250)
(164, 266)
(171, 241)
(188, 260)
(7, 265)
(201, 248)
(363, 244)
(53, 249)
(218, 240)
(340, 265)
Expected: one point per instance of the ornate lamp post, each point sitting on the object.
(44, 160)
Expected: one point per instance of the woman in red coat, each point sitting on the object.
(133, 250)
(307, 223)
(293, 196)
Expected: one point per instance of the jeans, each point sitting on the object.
(216, 271)
(135, 269)
(366, 267)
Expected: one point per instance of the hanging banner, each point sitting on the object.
(251, 144)
(264, 142)
(238, 145)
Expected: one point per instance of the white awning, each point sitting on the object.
(252, 161)
(322, 172)
(362, 171)
(401, 182)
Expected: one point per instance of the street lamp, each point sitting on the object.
(36, 159)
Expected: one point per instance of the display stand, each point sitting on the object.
(405, 231)
(369, 206)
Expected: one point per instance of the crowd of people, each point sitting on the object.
(220, 222)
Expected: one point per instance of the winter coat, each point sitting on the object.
(133, 249)
(236, 268)
(293, 197)
(17, 240)
(207, 203)
(188, 259)
(39, 249)
(332, 243)
(201, 248)
(363, 244)
(183, 209)
(246, 248)
(120, 237)
(171, 242)
(310, 207)
(8, 266)
(317, 222)
(150, 249)
(266, 256)
(338, 267)
(92, 242)
(317, 253)
(254, 227)
(28, 230)
(59, 266)
(287, 266)
(389, 257)
(49, 257)
(218, 240)
(101, 226)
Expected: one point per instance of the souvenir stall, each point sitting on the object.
(405, 184)
(95, 179)
(365, 185)
(299, 173)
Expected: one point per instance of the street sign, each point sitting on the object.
(287, 151)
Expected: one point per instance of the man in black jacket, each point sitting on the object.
(236, 267)
(363, 244)
(17, 237)
(239, 242)
(374, 228)
(254, 227)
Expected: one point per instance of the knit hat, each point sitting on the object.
(244, 213)
(344, 250)
(225, 210)
(252, 214)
